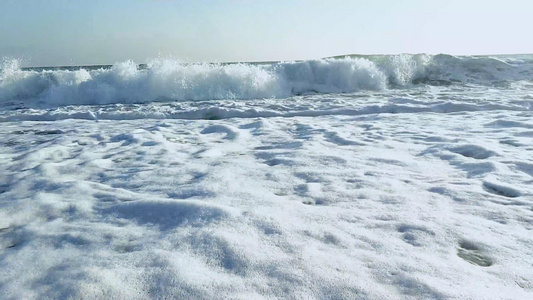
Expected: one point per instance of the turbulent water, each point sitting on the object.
(173, 81)
(360, 177)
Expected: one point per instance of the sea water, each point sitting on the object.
(359, 177)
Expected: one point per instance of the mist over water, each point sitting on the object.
(164, 80)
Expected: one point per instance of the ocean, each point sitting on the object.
(351, 177)
(172, 89)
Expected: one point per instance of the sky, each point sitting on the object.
(85, 32)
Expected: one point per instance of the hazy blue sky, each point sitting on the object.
(59, 32)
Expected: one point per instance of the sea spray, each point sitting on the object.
(164, 80)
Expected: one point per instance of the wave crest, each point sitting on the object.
(171, 80)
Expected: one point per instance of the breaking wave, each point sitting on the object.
(170, 80)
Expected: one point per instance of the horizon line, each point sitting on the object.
(64, 66)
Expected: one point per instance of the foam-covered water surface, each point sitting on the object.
(171, 80)
(366, 177)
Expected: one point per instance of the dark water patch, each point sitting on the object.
(472, 253)
(500, 190)
(473, 151)
(4, 188)
(39, 132)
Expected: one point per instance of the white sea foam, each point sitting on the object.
(378, 177)
(418, 205)
(170, 80)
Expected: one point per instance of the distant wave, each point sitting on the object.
(170, 80)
